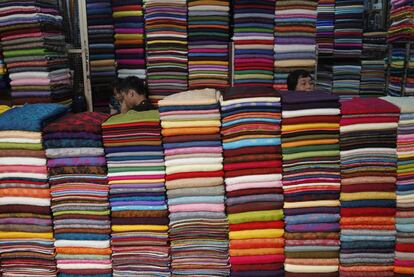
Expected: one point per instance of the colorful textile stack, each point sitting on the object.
(396, 70)
(129, 38)
(346, 79)
(26, 232)
(190, 123)
(253, 166)
(311, 183)
(166, 45)
(77, 170)
(295, 38)
(4, 81)
(34, 51)
(325, 27)
(208, 40)
(404, 251)
(136, 174)
(324, 78)
(368, 177)
(348, 28)
(401, 27)
(101, 50)
(409, 83)
(372, 78)
(253, 42)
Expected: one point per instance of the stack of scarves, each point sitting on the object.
(373, 64)
(325, 27)
(166, 46)
(349, 24)
(26, 229)
(4, 81)
(190, 123)
(101, 50)
(295, 38)
(136, 174)
(346, 78)
(404, 248)
(409, 83)
(401, 27)
(253, 165)
(396, 69)
(34, 48)
(253, 42)
(129, 38)
(324, 77)
(208, 41)
(79, 189)
(311, 183)
(368, 177)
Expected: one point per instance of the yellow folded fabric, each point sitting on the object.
(4, 108)
(126, 228)
(305, 204)
(294, 63)
(128, 36)
(195, 123)
(367, 195)
(126, 13)
(209, 62)
(273, 215)
(257, 234)
(24, 235)
(257, 251)
(300, 127)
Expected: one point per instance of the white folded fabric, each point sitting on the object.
(309, 112)
(368, 126)
(22, 161)
(25, 201)
(193, 168)
(250, 100)
(311, 268)
(190, 161)
(254, 178)
(83, 243)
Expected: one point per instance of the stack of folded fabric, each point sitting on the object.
(346, 79)
(372, 78)
(409, 83)
(208, 41)
(368, 177)
(166, 46)
(404, 251)
(325, 27)
(295, 38)
(396, 70)
(129, 38)
(253, 42)
(324, 77)
(26, 228)
(349, 24)
(253, 164)
(79, 189)
(373, 64)
(311, 183)
(4, 82)
(34, 51)
(136, 174)
(190, 123)
(401, 27)
(101, 49)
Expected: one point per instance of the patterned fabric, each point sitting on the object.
(82, 122)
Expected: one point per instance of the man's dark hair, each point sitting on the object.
(134, 83)
(292, 79)
(116, 84)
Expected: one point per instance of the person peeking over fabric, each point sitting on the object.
(116, 98)
(300, 80)
(134, 95)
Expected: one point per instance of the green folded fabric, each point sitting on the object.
(133, 117)
(273, 215)
(27, 146)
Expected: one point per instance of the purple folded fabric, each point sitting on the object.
(81, 161)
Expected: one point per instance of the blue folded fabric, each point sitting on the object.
(251, 143)
(81, 236)
(30, 117)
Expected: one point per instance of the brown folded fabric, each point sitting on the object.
(140, 214)
(22, 153)
(83, 216)
(313, 254)
(256, 206)
(313, 236)
(25, 228)
(24, 209)
(140, 220)
(251, 158)
(257, 191)
(98, 170)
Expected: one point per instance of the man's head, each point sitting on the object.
(133, 92)
(300, 80)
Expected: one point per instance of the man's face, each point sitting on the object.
(305, 84)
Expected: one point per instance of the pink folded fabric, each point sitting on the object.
(197, 207)
(192, 150)
(275, 184)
